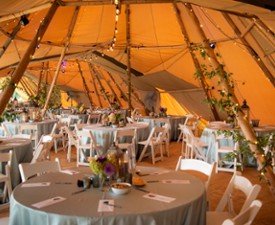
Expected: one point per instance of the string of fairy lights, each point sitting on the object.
(114, 39)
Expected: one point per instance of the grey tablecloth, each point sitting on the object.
(188, 208)
(22, 152)
(174, 124)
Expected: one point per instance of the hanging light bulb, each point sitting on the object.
(212, 45)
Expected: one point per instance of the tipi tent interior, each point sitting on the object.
(141, 53)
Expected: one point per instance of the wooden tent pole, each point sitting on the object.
(95, 88)
(260, 63)
(102, 90)
(18, 73)
(114, 93)
(26, 88)
(68, 37)
(84, 83)
(117, 86)
(10, 38)
(40, 78)
(196, 62)
(242, 120)
(128, 48)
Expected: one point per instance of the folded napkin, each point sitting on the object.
(48, 202)
(170, 181)
(42, 184)
(103, 207)
(160, 198)
(70, 172)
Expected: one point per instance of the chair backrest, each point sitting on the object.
(4, 131)
(31, 129)
(42, 150)
(197, 165)
(130, 120)
(125, 137)
(94, 118)
(66, 120)
(29, 170)
(242, 184)
(247, 216)
(5, 157)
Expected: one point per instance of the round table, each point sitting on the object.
(22, 152)
(174, 124)
(43, 127)
(104, 135)
(187, 205)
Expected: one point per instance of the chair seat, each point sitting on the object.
(217, 218)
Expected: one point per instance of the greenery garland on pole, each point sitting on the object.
(251, 145)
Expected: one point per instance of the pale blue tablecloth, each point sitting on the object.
(208, 136)
(174, 124)
(22, 152)
(188, 208)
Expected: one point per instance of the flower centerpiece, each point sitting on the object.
(162, 112)
(111, 119)
(103, 166)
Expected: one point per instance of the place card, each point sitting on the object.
(70, 172)
(48, 202)
(171, 181)
(160, 198)
(103, 207)
(43, 184)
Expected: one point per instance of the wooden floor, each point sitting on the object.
(266, 216)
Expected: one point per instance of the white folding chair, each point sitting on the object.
(43, 148)
(154, 141)
(199, 166)
(86, 143)
(4, 131)
(94, 118)
(29, 170)
(190, 121)
(31, 129)
(245, 217)
(226, 145)
(5, 177)
(193, 146)
(242, 184)
(125, 138)
(72, 141)
(58, 134)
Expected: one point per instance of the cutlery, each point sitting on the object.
(77, 192)
(152, 181)
(107, 203)
(143, 190)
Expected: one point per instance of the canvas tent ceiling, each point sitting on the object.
(157, 47)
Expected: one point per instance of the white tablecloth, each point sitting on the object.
(188, 208)
(22, 152)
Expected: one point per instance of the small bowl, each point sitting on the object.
(121, 188)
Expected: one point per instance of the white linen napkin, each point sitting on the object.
(171, 181)
(48, 202)
(70, 172)
(42, 184)
(160, 198)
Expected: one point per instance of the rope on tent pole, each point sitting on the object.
(196, 62)
(84, 83)
(260, 63)
(68, 37)
(245, 127)
(102, 90)
(6, 94)
(95, 88)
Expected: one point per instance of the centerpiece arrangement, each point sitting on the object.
(104, 167)
(112, 119)
(162, 112)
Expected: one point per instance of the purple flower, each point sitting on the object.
(109, 169)
(101, 159)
